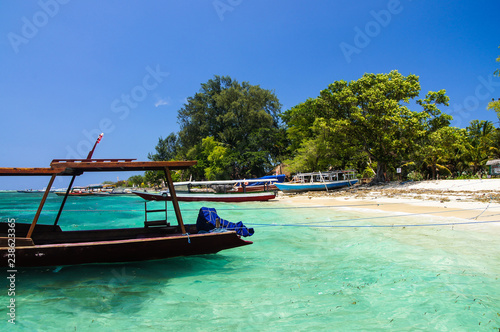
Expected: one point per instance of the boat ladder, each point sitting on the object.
(150, 223)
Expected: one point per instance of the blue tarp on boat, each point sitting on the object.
(207, 220)
(265, 180)
(279, 177)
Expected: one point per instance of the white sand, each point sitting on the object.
(471, 200)
(452, 185)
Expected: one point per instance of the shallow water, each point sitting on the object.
(303, 276)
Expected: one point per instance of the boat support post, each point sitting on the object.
(40, 207)
(323, 179)
(175, 203)
(64, 199)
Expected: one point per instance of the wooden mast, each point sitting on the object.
(40, 207)
(89, 158)
(175, 203)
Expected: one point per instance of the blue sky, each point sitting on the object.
(71, 69)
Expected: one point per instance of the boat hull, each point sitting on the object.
(258, 188)
(59, 193)
(302, 187)
(228, 198)
(143, 247)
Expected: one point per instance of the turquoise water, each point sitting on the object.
(293, 277)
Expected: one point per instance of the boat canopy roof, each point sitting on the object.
(327, 172)
(75, 167)
(80, 166)
(322, 176)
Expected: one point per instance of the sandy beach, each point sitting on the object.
(476, 203)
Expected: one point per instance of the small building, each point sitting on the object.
(493, 167)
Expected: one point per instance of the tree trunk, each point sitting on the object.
(380, 176)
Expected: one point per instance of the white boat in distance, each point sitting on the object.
(319, 181)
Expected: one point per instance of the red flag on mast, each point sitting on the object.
(89, 156)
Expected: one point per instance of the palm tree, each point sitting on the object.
(480, 135)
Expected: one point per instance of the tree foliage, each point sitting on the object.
(495, 104)
(368, 117)
(374, 124)
(243, 118)
(480, 135)
(136, 180)
(443, 145)
(213, 160)
(166, 149)
(497, 72)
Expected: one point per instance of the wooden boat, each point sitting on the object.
(208, 197)
(212, 191)
(23, 244)
(93, 190)
(76, 191)
(224, 186)
(121, 192)
(30, 191)
(265, 183)
(319, 181)
(258, 188)
(112, 192)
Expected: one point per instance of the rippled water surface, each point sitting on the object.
(303, 273)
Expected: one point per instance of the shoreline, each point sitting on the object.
(475, 202)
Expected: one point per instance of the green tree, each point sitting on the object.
(217, 159)
(122, 183)
(166, 149)
(328, 147)
(480, 135)
(495, 104)
(244, 118)
(370, 117)
(212, 160)
(300, 120)
(497, 72)
(154, 178)
(494, 149)
(136, 180)
(443, 146)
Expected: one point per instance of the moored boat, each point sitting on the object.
(23, 244)
(266, 183)
(208, 197)
(319, 181)
(84, 191)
